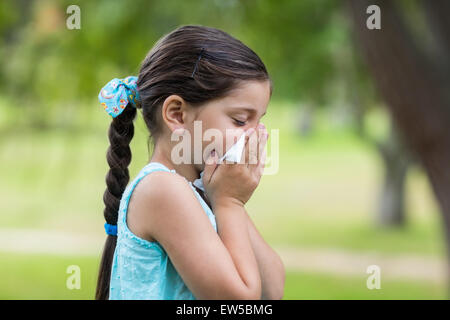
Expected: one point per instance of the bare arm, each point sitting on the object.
(270, 266)
(232, 228)
(214, 265)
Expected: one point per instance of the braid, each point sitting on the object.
(120, 133)
(118, 156)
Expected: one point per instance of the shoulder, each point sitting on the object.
(168, 211)
(158, 199)
(162, 185)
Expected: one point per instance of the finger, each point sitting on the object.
(259, 168)
(262, 139)
(244, 155)
(253, 150)
(262, 163)
(255, 147)
(210, 166)
(262, 146)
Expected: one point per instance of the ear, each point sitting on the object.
(174, 112)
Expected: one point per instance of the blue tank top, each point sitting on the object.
(142, 269)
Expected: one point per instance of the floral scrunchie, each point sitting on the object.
(117, 93)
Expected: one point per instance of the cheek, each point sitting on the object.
(213, 133)
(213, 138)
(218, 133)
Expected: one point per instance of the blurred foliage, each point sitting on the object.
(304, 44)
(50, 74)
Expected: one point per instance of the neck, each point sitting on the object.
(161, 154)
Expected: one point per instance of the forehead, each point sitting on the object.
(254, 94)
(248, 96)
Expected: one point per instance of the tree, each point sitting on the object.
(413, 87)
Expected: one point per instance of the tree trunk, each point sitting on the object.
(304, 120)
(413, 95)
(391, 210)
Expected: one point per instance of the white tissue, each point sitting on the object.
(199, 182)
(233, 154)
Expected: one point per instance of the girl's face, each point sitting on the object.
(241, 109)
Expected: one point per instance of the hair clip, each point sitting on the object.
(198, 59)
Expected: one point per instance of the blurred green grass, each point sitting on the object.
(44, 277)
(323, 196)
(312, 286)
(38, 276)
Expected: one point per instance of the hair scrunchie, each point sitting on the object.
(111, 229)
(117, 93)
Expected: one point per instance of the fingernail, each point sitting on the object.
(250, 131)
(211, 160)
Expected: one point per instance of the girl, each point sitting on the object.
(168, 239)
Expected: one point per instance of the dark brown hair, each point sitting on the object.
(199, 64)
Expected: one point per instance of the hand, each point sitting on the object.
(235, 182)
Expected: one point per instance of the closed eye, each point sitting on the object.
(239, 123)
